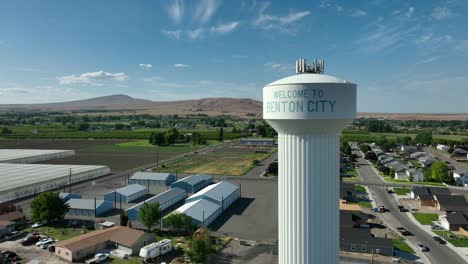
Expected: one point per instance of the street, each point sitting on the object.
(438, 253)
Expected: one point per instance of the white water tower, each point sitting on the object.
(309, 110)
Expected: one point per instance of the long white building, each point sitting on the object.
(32, 155)
(21, 180)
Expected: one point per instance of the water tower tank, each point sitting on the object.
(309, 111)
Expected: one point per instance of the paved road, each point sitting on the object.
(456, 164)
(438, 253)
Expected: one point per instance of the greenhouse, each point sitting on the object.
(32, 155)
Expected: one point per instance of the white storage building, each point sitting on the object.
(202, 212)
(127, 194)
(32, 155)
(222, 193)
(152, 178)
(165, 199)
(88, 207)
(22, 180)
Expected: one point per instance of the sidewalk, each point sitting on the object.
(461, 251)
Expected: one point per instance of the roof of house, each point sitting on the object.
(449, 202)
(217, 191)
(131, 189)
(418, 154)
(12, 216)
(425, 197)
(457, 218)
(349, 218)
(435, 190)
(118, 234)
(4, 224)
(196, 178)
(153, 176)
(414, 171)
(420, 190)
(85, 204)
(362, 236)
(160, 198)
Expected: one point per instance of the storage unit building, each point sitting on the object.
(193, 183)
(67, 196)
(22, 180)
(32, 155)
(152, 178)
(88, 207)
(202, 212)
(257, 141)
(222, 193)
(127, 194)
(165, 199)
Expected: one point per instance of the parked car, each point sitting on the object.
(13, 235)
(436, 227)
(38, 224)
(30, 239)
(47, 243)
(44, 241)
(440, 240)
(382, 209)
(98, 258)
(403, 231)
(422, 247)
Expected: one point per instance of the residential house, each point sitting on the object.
(417, 155)
(461, 176)
(418, 176)
(454, 221)
(450, 203)
(443, 147)
(387, 160)
(409, 149)
(425, 195)
(459, 153)
(378, 152)
(6, 227)
(19, 218)
(123, 238)
(349, 218)
(361, 240)
(347, 191)
(426, 161)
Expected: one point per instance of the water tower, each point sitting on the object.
(309, 110)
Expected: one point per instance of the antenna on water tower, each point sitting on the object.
(318, 66)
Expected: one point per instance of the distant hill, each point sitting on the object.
(125, 104)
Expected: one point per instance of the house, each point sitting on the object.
(6, 227)
(450, 203)
(426, 161)
(88, 207)
(127, 194)
(67, 196)
(350, 218)
(443, 147)
(409, 149)
(347, 191)
(193, 183)
(418, 176)
(459, 153)
(152, 178)
(123, 238)
(378, 152)
(257, 141)
(382, 157)
(425, 195)
(361, 240)
(417, 155)
(18, 217)
(387, 160)
(461, 176)
(454, 221)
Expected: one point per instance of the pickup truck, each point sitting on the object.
(98, 258)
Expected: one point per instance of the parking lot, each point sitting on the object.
(31, 252)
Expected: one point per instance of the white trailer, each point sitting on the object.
(156, 249)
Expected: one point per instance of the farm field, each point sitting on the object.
(101, 152)
(229, 160)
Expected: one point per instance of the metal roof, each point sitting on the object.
(14, 175)
(85, 204)
(194, 179)
(13, 155)
(131, 189)
(154, 176)
(217, 192)
(199, 208)
(160, 198)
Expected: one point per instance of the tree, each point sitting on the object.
(180, 221)
(392, 173)
(123, 219)
(200, 249)
(157, 138)
(440, 171)
(83, 126)
(48, 206)
(221, 135)
(353, 157)
(424, 138)
(364, 148)
(6, 131)
(149, 215)
(370, 156)
(347, 149)
(120, 126)
(261, 130)
(171, 136)
(407, 141)
(411, 177)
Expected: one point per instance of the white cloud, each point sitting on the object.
(91, 78)
(274, 66)
(14, 90)
(175, 34)
(225, 28)
(180, 65)
(440, 13)
(176, 10)
(205, 9)
(195, 33)
(358, 13)
(283, 23)
(145, 66)
(410, 12)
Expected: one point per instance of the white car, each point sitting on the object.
(44, 242)
(47, 243)
(38, 224)
(422, 247)
(436, 227)
(98, 258)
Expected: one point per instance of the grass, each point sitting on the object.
(227, 161)
(360, 188)
(401, 245)
(389, 179)
(426, 219)
(401, 191)
(456, 240)
(59, 233)
(132, 260)
(415, 163)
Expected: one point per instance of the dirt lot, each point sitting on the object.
(31, 252)
(94, 152)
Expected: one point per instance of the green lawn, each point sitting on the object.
(389, 179)
(415, 163)
(352, 175)
(454, 239)
(401, 191)
(132, 260)
(426, 219)
(360, 188)
(59, 233)
(401, 245)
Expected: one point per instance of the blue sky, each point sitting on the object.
(405, 56)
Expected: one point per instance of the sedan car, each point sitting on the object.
(422, 247)
(436, 227)
(38, 224)
(440, 240)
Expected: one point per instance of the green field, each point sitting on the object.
(401, 245)
(389, 179)
(225, 161)
(401, 191)
(59, 232)
(426, 219)
(360, 188)
(456, 240)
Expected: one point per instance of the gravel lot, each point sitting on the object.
(31, 252)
